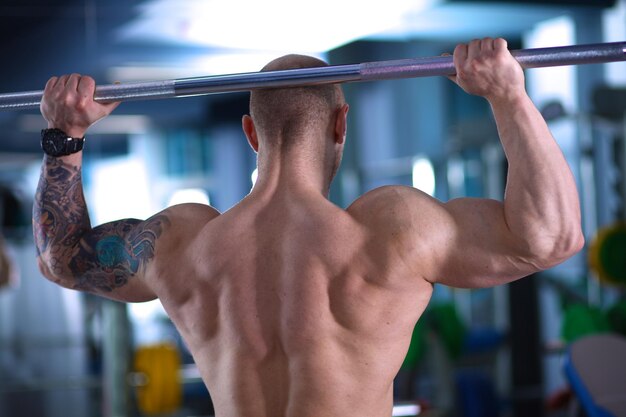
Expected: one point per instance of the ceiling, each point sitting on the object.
(156, 39)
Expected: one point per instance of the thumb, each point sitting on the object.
(111, 106)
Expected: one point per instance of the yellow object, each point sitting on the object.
(607, 254)
(162, 392)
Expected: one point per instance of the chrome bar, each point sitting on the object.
(383, 70)
(104, 93)
(268, 79)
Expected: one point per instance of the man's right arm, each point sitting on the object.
(471, 242)
(538, 224)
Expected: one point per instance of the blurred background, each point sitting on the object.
(492, 352)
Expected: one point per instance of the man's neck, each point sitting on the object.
(295, 172)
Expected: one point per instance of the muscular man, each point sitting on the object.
(291, 305)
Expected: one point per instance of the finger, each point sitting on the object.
(50, 84)
(72, 82)
(500, 44)
(61, 81)
(460, 55)
(486, 44)
(473, 49)
(86, 86)
(459, 58)
(86, 90)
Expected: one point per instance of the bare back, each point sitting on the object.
(292, 307)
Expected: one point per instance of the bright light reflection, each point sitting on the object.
(424, 176)
(146, 311)
(554, 83)
(222, 63)
(119, 189)
(267, 25)
(408, 410)
(189, 195)
(615, 31)
(254, 176)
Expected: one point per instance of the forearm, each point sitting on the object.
(541, 204)
(60, 216)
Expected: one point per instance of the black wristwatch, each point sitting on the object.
(56, 142)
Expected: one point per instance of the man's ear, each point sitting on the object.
(248, 128)
(341, 124)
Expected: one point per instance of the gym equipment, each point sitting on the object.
(158, 379)
(616, 315)
(581, 320)
(157, 376)
(369, 71)
(607, 254)
(596, 369)
(449, 327)
(159, 388)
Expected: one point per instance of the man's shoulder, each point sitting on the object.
(397, 211)
(387, 201)
(189, 217)
(181, 224)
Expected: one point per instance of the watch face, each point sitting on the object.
(55, 142)
(50, 147)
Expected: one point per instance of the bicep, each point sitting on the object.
(464, 243)
(479, 249)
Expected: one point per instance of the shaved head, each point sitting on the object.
(284, 116)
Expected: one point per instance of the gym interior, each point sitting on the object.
(548, 345)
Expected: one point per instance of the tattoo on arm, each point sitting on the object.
(100, 259)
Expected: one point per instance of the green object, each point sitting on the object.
(617, 317)
(581, 320)
(613, 255)
(607, 254)
(417, 347)
(449, 328)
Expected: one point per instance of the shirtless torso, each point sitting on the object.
(299, 308)
(290, 305)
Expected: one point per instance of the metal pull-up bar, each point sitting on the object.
(383, 70)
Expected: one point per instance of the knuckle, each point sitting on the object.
(68, 100)
(81, 104)
(87, 79)
(79, 107)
